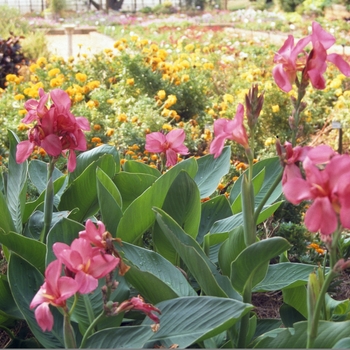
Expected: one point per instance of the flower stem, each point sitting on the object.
(90, 328)
(69, 336)
(244, 327)
(48, 203)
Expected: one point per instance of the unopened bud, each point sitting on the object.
(313, 291)
(254, 104)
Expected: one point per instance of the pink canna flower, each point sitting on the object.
(55, 291)
(94, 234)
(225, 129)
(56, 129)
(289, 62)
(137, 303)
(86, 262)
(170, 144)
(316, 64)
(327, 184)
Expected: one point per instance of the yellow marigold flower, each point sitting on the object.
(22, 112)
(122, 161)
(185, 78)
(165, 77)
(161, 94)
(335, 83)
(110, 101)
(56, 82)
(121, 48)
(22, 126)
(33, 67)
(165, 112)
(53, 72)
(144, 42)
(134, 147)
(122, 117)
(228, 98)
(208, 65)
(338, 92)
(170, 101)
(130, 81)
(235, 178)
(270, 141)
(221, 187)
(134, 119)
(97, 127)
(41, 61)
(109, 132)
(81, 77)
(96, 140)
(154, 47)
(129, 153)
(19, 97)
(154, 157)
(162, 54)
(11, 77)
(93, 84)
(275, 108)
(189, 47)
(242, 166)
(134, 38)
(167, 127)
(78, 97)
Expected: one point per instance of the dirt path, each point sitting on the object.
(89, 44)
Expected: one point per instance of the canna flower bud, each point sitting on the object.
(254, 104)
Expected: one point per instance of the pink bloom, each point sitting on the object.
(87, 262)
(316, 64)
(137, 303)
(170, 144)
(56, 129)
(288, 62)
(94, 234)
(327, 185)
(55, 291)
(225, 129)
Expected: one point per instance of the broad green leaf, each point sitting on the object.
(37, 171)
(132, 166)
(338, 309)
(328, 335)
(138, 217)
(202, 269)
(28, 249)
(211, 170)
(182, 203)
(7, 304)
(273, 170)
(64, 231)
(132, 185)
(110, 201)
(36, 223)
(342, 344)
(30, 207)
(184, 321)
(16, 184)
(82, 192)
(268, 211)
(188, 320)
(212, 210)
(265, 325)
(245, 269)
(230, 249)
(25, 280)
(289, 315)
(6, 222)
(128, 337)
(84, 159)
(257, 183)
(153, 276)
(297, 298)
(285, 275)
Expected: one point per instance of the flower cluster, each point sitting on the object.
(312, 65)
(326, 184)
(55, 129)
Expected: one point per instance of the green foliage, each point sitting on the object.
(289, 5)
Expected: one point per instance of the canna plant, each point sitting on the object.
(78, 271)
